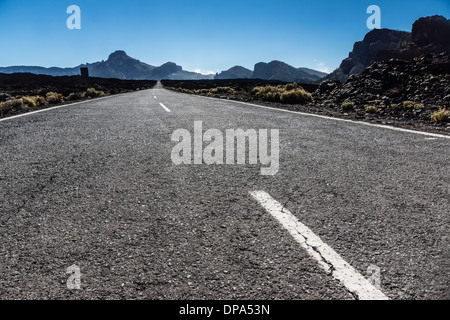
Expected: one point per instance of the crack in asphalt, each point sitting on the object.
(40, 188)
(291, 194)
(331, 268)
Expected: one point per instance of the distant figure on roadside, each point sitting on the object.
(84, 72)
(84, 75)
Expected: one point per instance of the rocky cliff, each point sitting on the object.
(409, 82)
(364, 52)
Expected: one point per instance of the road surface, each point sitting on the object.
(92, 185)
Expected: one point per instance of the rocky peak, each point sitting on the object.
(365, 51)
(385, 35)
(429, 35)
(118, 55)
(277, 70)
(170, 67)
(236, 72)
(434, 30)
(271, 67)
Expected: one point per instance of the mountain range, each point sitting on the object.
(121, 66)
(275, 70)
(430, 34)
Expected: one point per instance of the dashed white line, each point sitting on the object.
(327, 258)
(165, 108)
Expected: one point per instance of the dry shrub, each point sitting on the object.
(291, 93)
(54, 97)
(92, 93)
(440, 116)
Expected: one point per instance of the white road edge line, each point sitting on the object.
(57, 107)
(437, 135)
(165, 108)
(327, 258)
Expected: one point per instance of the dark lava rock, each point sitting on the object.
(429, 35)
(433, 30)
(424, 80)
(4, 97)
(28, 84)
(326, 88)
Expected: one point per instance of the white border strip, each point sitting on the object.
(57, 107)
(436, 135)
(327, 258)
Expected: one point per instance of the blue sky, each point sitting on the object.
(201, 35)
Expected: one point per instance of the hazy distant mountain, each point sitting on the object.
(171, 71)
(277, 70)
(119, 65)
(54, 71)
(236, 72)
(314, 73)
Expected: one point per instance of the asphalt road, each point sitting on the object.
(93, 185)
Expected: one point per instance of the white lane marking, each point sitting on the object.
(437, 135)
(327, 258)
(53, 108)
(155, 97)
(165, 108)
